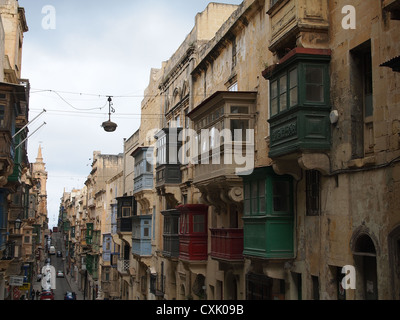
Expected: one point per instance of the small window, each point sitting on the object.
(313, 178)
(233, 87)
(242, 110)
(178, 121)
(187, 120)
(2, 115)
(234, 53)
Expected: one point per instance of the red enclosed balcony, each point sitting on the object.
(193, 232)
(227, 244)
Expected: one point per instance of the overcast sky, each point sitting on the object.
(93, 49)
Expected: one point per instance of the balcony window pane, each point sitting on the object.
(198, 223)
(237, 109)
(280, 195)
(238, 128)
(261, 195)
(247, 210)
(2, 115)
(293, 87)
(314, 93)
(126, 212)
(186, 224)
(314, 84)
(274, 98)
(254, 194)
(282, 93)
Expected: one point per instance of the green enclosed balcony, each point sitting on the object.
(300, 103)
(89, 233)
(268, 215)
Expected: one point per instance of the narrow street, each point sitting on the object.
(62, 283)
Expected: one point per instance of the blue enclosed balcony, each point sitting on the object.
(141, 235)
(143, 180)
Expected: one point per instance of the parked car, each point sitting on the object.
(47, 295)
(70, 295)
(60, 274)
(52, 250)
(59, 254)
(39, 277)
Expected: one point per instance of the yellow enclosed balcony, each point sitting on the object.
(302, 23)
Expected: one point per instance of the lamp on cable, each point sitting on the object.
(109, 126)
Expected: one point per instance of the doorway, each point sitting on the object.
(364, 252)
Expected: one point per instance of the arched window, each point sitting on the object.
(365, 250)
(364, 246)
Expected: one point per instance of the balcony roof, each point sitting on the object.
(220, 96)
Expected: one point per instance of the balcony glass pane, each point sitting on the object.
(2, 115)
(254, 199)
(314, 84)
(274, 98)
(293, 85)
(261, 195)
(238, 128)
(237, 109)
(198, 223)
(282, 92)
(314, 93)
(280, 195)
(247, 209)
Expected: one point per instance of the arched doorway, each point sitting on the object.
(231, 286)
(394, 261)
(182, 292)
(364, 252)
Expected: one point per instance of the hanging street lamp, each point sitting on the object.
(109, 126)
(17, 224)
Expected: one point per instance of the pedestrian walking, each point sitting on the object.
(37, 294)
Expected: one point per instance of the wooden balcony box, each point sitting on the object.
(294, 19)
(300, 102)
(168, 165)
(227, 244)
(193, 232)
(268, 215)
(141, 235)
(143, 180)
(224, 125)
(171, 233)
(126, 208)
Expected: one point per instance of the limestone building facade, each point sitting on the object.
(291, 107)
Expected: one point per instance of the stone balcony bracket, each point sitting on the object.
(305, 161)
